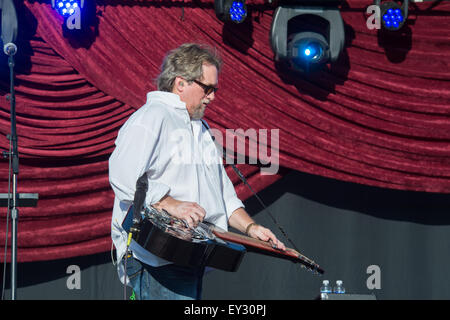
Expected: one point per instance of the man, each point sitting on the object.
(167, 140)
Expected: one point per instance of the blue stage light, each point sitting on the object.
(230, 10)
(238, 11)
(393, 19)
(311, 52)
(393, 15)
(67, 7)
(305, 39)
(308, 50)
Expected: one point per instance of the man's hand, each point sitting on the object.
(243, 222)
(191, 212)
(259, 232)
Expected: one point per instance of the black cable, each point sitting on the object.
(241, 176)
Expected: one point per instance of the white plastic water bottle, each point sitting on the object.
(325, 289)
(339, 288)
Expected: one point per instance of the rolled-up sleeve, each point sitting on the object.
(231, 200)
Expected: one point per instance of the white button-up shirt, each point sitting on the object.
(181, 160)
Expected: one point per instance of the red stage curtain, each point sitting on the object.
(380, 116)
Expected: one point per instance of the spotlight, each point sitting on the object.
(307, 48)
(393, 16)
(230, 10)
(71, 11)
(67, 7)
(307, 38)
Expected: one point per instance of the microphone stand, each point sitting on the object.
(18, 199)
(14, 155)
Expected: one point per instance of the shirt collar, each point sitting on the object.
(168, 98)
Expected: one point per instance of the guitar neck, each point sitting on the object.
(252, 243)
(264, 247)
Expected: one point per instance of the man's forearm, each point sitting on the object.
(240, 220)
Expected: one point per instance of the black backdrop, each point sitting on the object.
(344, 227)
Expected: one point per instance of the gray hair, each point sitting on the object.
(186, 61)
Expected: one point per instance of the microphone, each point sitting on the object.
(10, 49)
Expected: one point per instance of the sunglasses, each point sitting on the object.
(208, 89)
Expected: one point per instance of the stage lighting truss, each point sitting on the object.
(307, 38)
(393, 15)
(231, 10)
(67, 7)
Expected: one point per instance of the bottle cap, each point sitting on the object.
(326, 282)
(339, 282)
